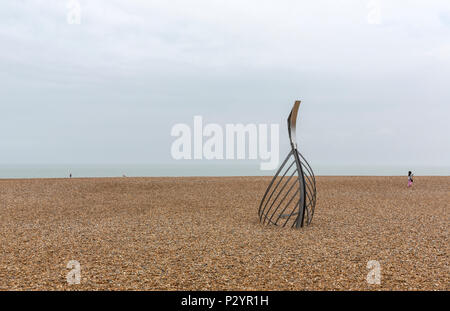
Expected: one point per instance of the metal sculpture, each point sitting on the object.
(280, 206)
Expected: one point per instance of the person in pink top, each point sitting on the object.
(410, 179)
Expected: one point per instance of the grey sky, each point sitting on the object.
(110, 89)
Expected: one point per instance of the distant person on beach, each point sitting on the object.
(70, 176)
(410, 179)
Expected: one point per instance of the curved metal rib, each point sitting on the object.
(277, 199)
(292, 124)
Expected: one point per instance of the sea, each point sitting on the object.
(202, 169)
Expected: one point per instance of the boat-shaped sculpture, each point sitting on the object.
(290, 198)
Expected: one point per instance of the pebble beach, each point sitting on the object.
(203, 233)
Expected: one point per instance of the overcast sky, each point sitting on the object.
(375, 87)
